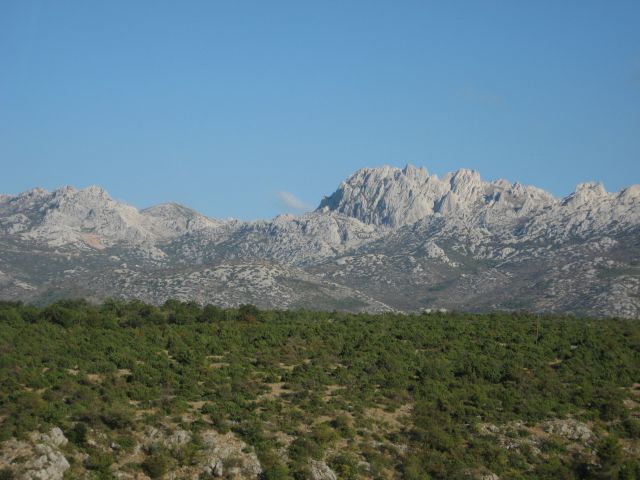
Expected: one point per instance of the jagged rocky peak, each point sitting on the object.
(387, 195)
(595, 208)
(464, 181)
(630, 194)
(395, 197)
(22, 201)
(587, 192)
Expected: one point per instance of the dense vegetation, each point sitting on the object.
(374, 396)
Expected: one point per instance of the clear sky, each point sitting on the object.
(221, 105)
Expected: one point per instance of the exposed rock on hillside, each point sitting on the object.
(40, 458)
(321, 471)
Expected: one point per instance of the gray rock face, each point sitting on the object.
(50, 464)
(569, 429)
(226, 456)
(386, 239)
(41, 458)
(489, 476)
(223, 456)
(321, 471)
(54, 437)
(393, 197)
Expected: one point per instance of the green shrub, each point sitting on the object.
(156, 464)
(631, 427)
(126, 442)
(345, 466)
(117, 418)
(276, 472)
(7, 474)
(99, 461)
(78, 434)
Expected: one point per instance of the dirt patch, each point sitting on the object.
(331, 390)
(94, 377)
(277, 390)
(139, 413)
(288, 368)
(392, 419)
(93, 241)
(219, 365)
(196, 405)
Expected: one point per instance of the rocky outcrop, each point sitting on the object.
(40, 458)
(488, 476)
(222, 455)
(570, 429)
(225, 455)
(321, 471)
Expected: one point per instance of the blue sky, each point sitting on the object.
(221, 105)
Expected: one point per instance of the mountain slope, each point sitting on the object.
(387, 238)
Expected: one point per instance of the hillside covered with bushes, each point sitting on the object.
(129, 390)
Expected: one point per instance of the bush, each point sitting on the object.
(78, 434)
(191, 453)
(631, 427)
(248, 313)
(117, 418)
(345, 467)
(60, 315)
(7, 474)
(99, 461)
(276, 472)
(610, 456)
(126, 442)
(156, 464)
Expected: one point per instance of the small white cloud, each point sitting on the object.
(291, 202)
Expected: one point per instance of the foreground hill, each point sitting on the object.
(387, 239)
(132, 391)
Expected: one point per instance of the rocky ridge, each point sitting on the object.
(386, 239)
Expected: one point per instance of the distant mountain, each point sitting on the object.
(386, 239)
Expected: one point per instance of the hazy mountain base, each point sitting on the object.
(387, 239)
(188, 392)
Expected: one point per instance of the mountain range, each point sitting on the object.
(388, 239)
